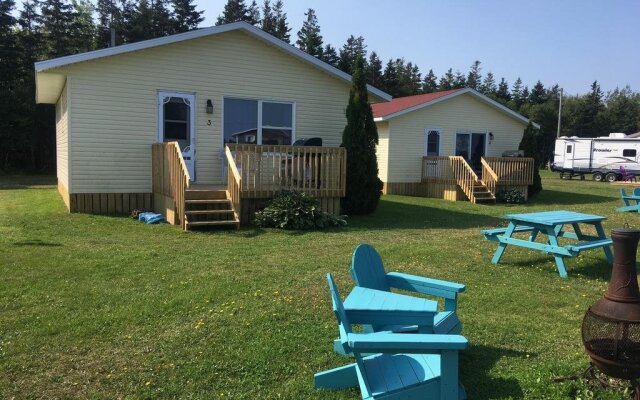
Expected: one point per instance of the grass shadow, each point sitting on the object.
(10, 182)
(475, 364)
(392, 214)
(37, 243)
(548, 196)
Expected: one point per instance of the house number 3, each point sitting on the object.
(209, 122)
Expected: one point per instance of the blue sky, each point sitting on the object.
(571, 43)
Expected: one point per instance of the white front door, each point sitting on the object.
(568, 156)
(176, 123)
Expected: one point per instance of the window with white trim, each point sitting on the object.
(433, 142)
(258, 122)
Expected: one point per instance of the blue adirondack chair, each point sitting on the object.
(368, 271)
(415, 366)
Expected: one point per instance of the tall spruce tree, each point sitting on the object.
(57, 19)
(330, 55)
(538, 94)
(502, 94)
(185, 16)
(488, 86)
(360, 137)
(109, 16)
(141, 23)
(282, 30)
(430, 83)
(83, 29)
(8, 43)
(374, 70)
(391, 79)
(254, 13)
(309, 38)
(529, 144)
(474, 78)
(234, 11)
(446, 81)
(459, 81)
(268, 22)
(517, 97)
(352, 50)
(162, 23)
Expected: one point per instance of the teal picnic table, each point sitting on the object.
(552, 224)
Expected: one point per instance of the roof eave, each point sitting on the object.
(42, 66)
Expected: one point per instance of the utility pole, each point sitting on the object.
(559, 113)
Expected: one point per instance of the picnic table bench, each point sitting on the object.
(551, 223)
(628, 198)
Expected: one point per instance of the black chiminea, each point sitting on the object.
(611, 326)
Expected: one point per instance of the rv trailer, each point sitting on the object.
(606, 157)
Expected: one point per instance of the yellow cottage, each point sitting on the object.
(198, 125)
(450, 145)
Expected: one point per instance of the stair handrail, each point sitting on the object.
(489, 176)
(465, 176)
(170, 176)
(234, 183)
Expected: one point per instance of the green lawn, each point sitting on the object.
(103, 307)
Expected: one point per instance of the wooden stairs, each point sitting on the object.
(482, 194)
(207, 205)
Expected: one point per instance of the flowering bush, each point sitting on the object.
(511, 196)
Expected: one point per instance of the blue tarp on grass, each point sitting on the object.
(151, 218)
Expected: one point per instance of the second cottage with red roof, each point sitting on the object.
(415, 132)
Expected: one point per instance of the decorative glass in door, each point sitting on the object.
(176, 123)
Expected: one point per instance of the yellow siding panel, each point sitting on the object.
(461, 113)
(114, 114)
(62, 139)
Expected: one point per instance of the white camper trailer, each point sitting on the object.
(603, 156)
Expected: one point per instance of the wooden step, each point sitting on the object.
(208, 212)
(208, 201)
(213, 223)
(205, 194)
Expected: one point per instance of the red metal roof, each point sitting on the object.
(402, 103)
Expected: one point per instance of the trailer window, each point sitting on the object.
(629, 153)
(569, 148)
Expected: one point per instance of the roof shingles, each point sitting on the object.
(403, 103)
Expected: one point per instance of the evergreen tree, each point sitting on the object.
(352, 50)
(538, 94)
(430, 83)
(391, 79)
(502, 94)
(253, 13)
(141, 24)
(588, 117)
(128, 17)
(234, 11)
(8, 44)
(529, 145)
(330, 55)
(268, 22)
(162, 24)
(517, 98)
(622, 112)
(488, 86)
(446, 81)
(309, 38)
(185, 16)
(410, 79)
(459, 80)
(474, 78)
(57, 19)
(374, 70)
(109, 16)
(282, 26)
(360, 137)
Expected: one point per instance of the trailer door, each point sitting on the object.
(568, 156)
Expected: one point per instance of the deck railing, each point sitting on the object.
(512, 170)
(170, 175)
(450, 169)
(267, 169)
(234, 183)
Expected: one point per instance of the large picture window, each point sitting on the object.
(258, 122)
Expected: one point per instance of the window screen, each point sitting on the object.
(629, 153)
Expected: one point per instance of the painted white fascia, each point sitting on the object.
(42, 66)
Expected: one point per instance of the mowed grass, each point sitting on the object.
(104, 307)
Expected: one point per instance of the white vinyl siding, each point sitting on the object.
(382, 150)
(115, 113)
(461, 113)
(62, 139)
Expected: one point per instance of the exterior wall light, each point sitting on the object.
(490, 137)
(209, 107)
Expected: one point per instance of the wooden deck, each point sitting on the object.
(255, 174)
(452, 178)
